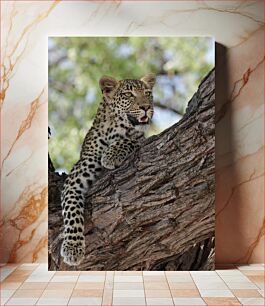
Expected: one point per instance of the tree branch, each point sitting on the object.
(156, 211)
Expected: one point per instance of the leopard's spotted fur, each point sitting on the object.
(126, 107)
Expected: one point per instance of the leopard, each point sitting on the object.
(125, 111)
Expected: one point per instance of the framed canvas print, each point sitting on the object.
(131, 153)
(152, 173)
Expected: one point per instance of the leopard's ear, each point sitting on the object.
(149, 80)
(107, 84)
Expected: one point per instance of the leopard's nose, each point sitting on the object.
(145, 107)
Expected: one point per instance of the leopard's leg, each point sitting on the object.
(117, 152)
(73, 195)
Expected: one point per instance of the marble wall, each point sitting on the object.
(236, 25)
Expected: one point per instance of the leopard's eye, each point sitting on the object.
(148, 93)
(128, 94)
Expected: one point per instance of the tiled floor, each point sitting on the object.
(32, 284)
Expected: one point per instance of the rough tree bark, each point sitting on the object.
(156, 211)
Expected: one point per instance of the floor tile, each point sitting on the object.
(63, 279)
(43, 266)
(253, 272)
(203, 273)
(56, 293)
(107, 297)
(7, 293)
(108, 285)
(260, 285)
(39, 278)
(28, 293)
(22, 301)
(28, 266)
(21, 272)
(256, 278)
(135, 301)
(33, 286)
(246, 293)
(102, 273)
(235, 279)
(10, 286)
(177, 272)
(241, 285)
(128, 293)
(60, 286)
(128, 279)
(3, 300)
(16, 278)
(261, 292)
(110, 274)
(30, 284)
(211, 285)
(205, 277)
(232, 272)
(188, 301)
(251, 267)
(41, 270)
(154, 278)
(53, 301)
(129, 286)
(215, 301)
(156, 285)
(151, 273)
(251, 301)
(109, 280)
(91, 278)
(159, 301)
(85, 301)
(71, 273)
(182, 293)
(182, 286)
(6, 271)
(87, 293)
(216, 293)
(88, 285)
(179, 278)
(149, 293)
(129, 273)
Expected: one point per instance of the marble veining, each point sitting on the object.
(237, 25)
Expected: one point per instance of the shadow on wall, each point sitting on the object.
(224, 149)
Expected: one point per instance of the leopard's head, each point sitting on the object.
(130, 98)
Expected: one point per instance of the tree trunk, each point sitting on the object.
(156, 211)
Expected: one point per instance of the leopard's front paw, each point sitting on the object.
(72, 252)
(107, 163)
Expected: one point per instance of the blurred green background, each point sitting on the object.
(77, 63)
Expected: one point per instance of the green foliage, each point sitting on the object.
(77, 63)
